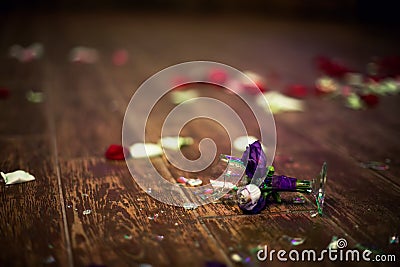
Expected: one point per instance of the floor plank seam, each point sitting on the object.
(53, 140)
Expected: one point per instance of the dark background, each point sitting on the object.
(367, 11)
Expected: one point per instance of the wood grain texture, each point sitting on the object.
(67, 135)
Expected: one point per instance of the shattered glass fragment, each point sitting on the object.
(394, 239)
(50, 259)
(333, 244)
(159, 238)
(154, 217)
(87, 212)
(128, 237)
(294, 241)
(375, 165)
(299, 199)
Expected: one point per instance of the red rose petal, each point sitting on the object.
(217, 76)
(251, 89)
(180, 83)
(330, 67)
(4, 93)
(370, 99)
(120, 57)
(115, 152)
(296, 90)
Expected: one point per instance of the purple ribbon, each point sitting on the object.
(281, 182)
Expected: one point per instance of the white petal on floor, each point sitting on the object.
(178, 97)
(279, 102)
(143, 150)
(175, 142)
(242, 142)
(17, 177)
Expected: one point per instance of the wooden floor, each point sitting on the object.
(63, 139)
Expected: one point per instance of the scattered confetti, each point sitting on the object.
(313, 214)
(159, 237)
(127, 237)
(394, 239)
(326, 85)
(189, 206)
(115, 152)
(4, 93)
(32, 52)
(296, 91)
(217, 76)
(278, 103)
(87, 212)
(370, 100)
(35, 97)
(353, 101)
(194, 182)
(143, 150)
(154, 217)
(331, 67)
(242, 142)
(178, 97)
(182, 180)
(294, 241)
(17, 177)
(236, 257)
(299, 199)
(258, 80)
(375, 165)
(333, 244)
(175, 142)
(50, 259)
(222, 184)
(120, 57)
(81, 54)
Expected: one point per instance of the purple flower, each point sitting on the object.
(255, 160)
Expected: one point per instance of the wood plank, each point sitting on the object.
(31, 227)
(121, 229)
